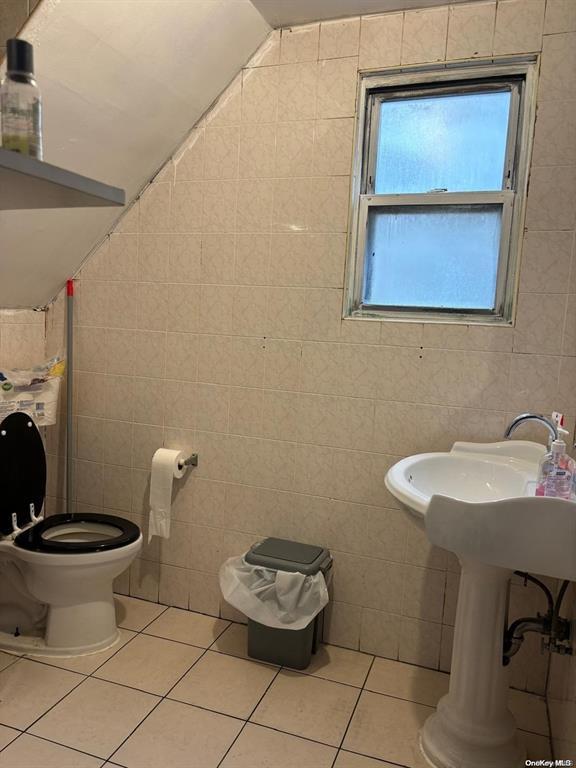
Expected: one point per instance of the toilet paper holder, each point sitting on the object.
(191, 461)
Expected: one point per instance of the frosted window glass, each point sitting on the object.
(433, 256)
(454, 142)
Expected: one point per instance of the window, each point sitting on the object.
(440, 175)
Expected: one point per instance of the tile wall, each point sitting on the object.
(210, 320)
(562, 692)
(22, 338)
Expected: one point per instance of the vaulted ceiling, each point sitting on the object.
(123, 81)
(282, 13)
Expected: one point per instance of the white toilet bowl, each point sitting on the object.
(64, 563)
(76, 588)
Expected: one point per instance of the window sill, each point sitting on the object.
(438, 318)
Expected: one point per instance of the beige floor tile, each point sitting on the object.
(7, 735)
(29, 689)
(537, 747)
(258, 747)
(307, 706)
(179, 736)
(86, 665)
(529, 711)
(135, 614)
(150, 664)
(233, 641)
(405, 681)
(6, 659)
(225, 684)
(387, 728)
(96, 717)
(187, 627)
(351, 760)
(30, 752)
(340, 665)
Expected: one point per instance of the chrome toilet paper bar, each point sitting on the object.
(191, 461)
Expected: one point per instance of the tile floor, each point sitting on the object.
(178, 691)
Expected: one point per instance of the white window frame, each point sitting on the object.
(461, 78)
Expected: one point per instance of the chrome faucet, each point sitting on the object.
(544, 420)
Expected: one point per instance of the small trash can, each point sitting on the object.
(288, 647)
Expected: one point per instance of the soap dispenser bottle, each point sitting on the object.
(20, 105)
(557, 469)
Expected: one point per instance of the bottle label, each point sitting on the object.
(21, 125)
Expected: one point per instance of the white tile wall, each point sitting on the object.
(471, 32)
(210, 320)
(22, 336)
(562, 693)
(554, 149)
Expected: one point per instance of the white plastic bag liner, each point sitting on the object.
(33, 391)
(274, 598)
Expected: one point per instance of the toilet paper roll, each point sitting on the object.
(166, 465)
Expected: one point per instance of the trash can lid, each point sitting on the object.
(285, 555)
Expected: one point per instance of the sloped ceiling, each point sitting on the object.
(283, 13)
(122, 82)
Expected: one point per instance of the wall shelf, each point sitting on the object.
(27, 183)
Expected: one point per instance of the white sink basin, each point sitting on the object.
(478, 501)
(470, 472)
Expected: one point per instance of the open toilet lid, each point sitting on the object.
(22, 471)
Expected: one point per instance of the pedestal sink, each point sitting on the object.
(478, 501)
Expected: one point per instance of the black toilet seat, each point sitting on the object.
(23, 486)
(33, 538)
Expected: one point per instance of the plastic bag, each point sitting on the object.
(273, 598)
(33, 391)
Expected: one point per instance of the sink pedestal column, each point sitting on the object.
(472, 726)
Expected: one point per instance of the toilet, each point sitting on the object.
(56, 573)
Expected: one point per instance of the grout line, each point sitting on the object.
(377, 759)
(548, 713)
(342, 740)
(20, 733)
(303, 673)
(363, 689)
(164, 697)
(170, 640)
(290, 733)
(57, 743)
(49, 661)
(398, 698)
(161, 699)
(247, 720)
(14, 660)
(368, 671)
(199, 706)
(27, 729)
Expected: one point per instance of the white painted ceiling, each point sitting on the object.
(122, 82)
(283, 13)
